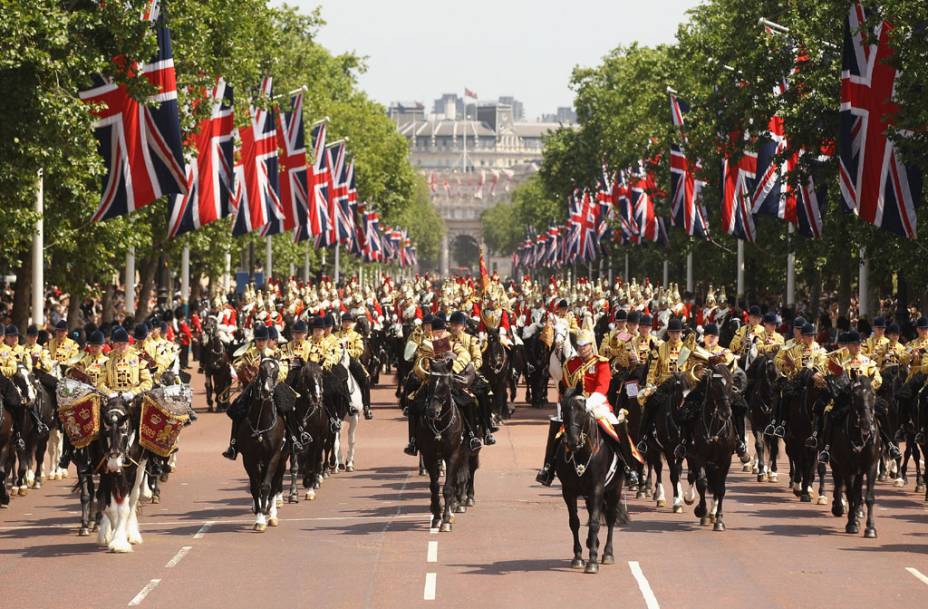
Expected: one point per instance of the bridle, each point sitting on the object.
(586, 438)
(865, 429)
(708, 421)
(430, 397)
(264, 398)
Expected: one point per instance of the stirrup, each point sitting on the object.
(642, 447)
(679, 451)
(920, 438)
(230, 453)
(811, 442)
(779, 431)
(475, 444)
(893, 450)
(368, 414)
(545, 475)
(742, 451)
(411, 449)
(824, 456)
(489, 440)
(770, 430)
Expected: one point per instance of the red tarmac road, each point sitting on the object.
(365, 542)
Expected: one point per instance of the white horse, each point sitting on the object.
(354, 393)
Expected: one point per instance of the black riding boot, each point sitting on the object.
(411, 422)
(232, 451)
(738, 412)
(644, 427)
(883, 423)
(473, 427)
(66, 451)
(483, 408)
(545, 475)
(825, 455)
(19, 426)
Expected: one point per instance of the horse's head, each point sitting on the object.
(266, 379)
(25, 384)
(577, 422)
(439, 387)
(496, 353)
(719, 388)
(310, 383)
(118, 433)
(863, 398)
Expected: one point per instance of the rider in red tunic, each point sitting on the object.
(592, 374)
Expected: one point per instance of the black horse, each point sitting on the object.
(496, 370)
(801, 395)
(439, 437)
(902, 399)
(714, 440)
(9, 399)
(619, 395)
(39, 419)
(590, 465)
(398, 339)
(855, 450)
(664, 437)
(122, 469)
(260, 437)
(314, 428)
(537, 356)
(217, 372)
(763, 395)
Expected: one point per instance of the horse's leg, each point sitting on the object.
(474, 464)
(759, 456)
(917, 458)
(594, 505)
(676, 469)
(434, 488)
(612, 513)
(718, 489)
(268, 486)
(701, 484)
(853, 492)
(660, 497)
(573, 518)
(837, 505)
(4, 497)
(39, 465)
(85, 482)
(294, 496)
(774, 453)
(352, 441)
(690, 497)
(134, 535)
(448, 490)
(120, 508)
(21, 459)
(208, 385)
(870, 530)
(807, 474)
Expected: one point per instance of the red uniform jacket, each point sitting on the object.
(596, 375)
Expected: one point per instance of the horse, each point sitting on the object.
(619, 395)
(801, 396)
(762, 397)
(855, 451)
(9, 399)
(217, 372)
(537, 355)
(903, 399)
(713, 442)
(122, 469)
(496, 370)
(400, 334)
(591, 466)
(439, 436)
(516, 368)
(728, 330)
(260, 438)
(337, 403)
(313, 425)
(30, 458)
(664, 439)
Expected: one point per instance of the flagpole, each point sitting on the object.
(863, 304)
(626, 278)
(268, 260)
(337, 269)
(227, 280)
(38, 245)
(666, 273)
(740, 270)
(185, 278)
(689, 271)
(306, 261)
(130, 281)
(790, 268)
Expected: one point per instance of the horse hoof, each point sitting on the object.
(772, 477)
(821, 500)
(761, 477)
(608, 559)
(805, 498)
(460, 509)
(436, 522)
(260, 528)
(349, 467)
(797, 491)
(445, 527)
(470, 502)
(37, 483)
(870, 533)
(273, 522)
(678, 509)
(121, 548)
(592, 568)
(293, 498)
(279, 502)
(23, 491)
(899, 483)
(919, 488)
(852, 528)
(719, 526)
(83, 532)
(155, 499)
(310, 495)
(747, 467)
(576, 563)
(661, 503)
(700, 511)
(882, 477)
(640, 495)
(689, 500)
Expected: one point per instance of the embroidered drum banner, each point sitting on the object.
(164, 413)
(78, 411)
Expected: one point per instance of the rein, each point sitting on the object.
(586, 440)
(454, 410)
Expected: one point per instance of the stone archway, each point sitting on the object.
(465, 252)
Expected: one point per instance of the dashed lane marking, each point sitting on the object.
(178, 557)
(137, 600)
(431, 581)
(432, 554)
(203, 529)
(918, 575)
(649, 599)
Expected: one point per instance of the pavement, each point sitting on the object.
(365, 542)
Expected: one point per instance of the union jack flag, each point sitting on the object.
(585, 220)
(319, 219)
(257, 200)
(875, 184)
(685, 189)
(738, 182)
(339, 230)
(607, 200)
(553, 245)
(209, 175)
(294, 182)
(649, 226)
(540, 249)
(140, 142)
(374, 248)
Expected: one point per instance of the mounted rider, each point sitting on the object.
(590, 375)
(664, 364)
(480, 387)
(41, 358)
(88, 368)
(745, 335)
(124, 372)
(353, 343)
(61, 347)
(438, 344)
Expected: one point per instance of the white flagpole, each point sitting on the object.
(38, 245)
(863, 304)
(227, 279)
(740, 270)
(689, 271)
(337, 269)
(185, 277)
(130, 281)
(306, 261)
(627, 279)
(268, 260)
(666, 273)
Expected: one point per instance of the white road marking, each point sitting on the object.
(137, 600)
(649, 599)
(432, 554)
(431, 580)
(203, 529)
(432, 530)
(178, 557)
(918, 575)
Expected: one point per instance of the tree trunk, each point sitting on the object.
(149, 270)
(844, 287)
(75, 318)
(109, 311)
(21, 296)
(815, 295)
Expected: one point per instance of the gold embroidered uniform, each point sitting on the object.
(64, 350)
(352, 342)
(742, 337)
(92, 367)
(124, 372)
